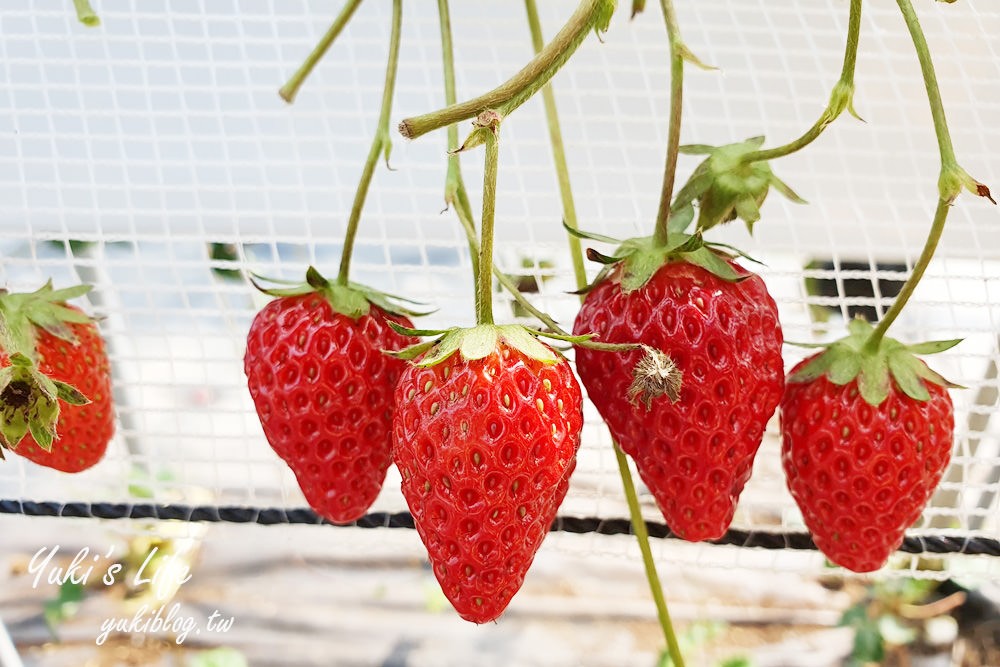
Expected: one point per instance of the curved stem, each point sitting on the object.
(642, 536)
(291, 88)
(454, 187)
(674, 128)
(515, 91)
(558, 150)
(930, 82)
(569, 215)
(840, 98)
(380, 144)
(937, 227)
(484, 298)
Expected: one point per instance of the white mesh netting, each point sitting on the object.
(127, 151)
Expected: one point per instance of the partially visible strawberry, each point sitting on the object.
(485, 438)
(720, 328)
(323, 388)
(51, 351)
(867, 435)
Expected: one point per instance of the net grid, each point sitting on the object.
(126, 152)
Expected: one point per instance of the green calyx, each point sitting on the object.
(21, 315)
(639, 258)
(876, 366)
(478, 342)
(727, 186)
(353, 300)
(29, 403)
(29, 400)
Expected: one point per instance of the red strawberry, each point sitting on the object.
(323, 390)
(54, 350)
(867, 437)
(723, 334)
(485, 438)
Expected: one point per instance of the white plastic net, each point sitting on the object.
(131, 152)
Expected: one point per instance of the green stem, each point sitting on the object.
(642, 536)
(674, 128)
(949, 183)
(569, 215)
(454, 187)
(455, 192)
(840, 98)
(558, 150)
(291, 88)
(945, 146)
(937, 227)
(515, 91)
(85, 13)
(484, 299)
(380, 144)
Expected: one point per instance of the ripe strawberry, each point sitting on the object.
(694, 454)
(485, 438)
(53, 351)
(323, 389)
(867, 436)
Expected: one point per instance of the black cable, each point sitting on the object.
(269, 516)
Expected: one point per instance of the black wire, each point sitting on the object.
(269, 516)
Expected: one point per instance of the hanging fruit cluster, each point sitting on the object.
(677, 343)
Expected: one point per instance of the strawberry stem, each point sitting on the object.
(558, 149)
(840, 99)
(291, 88)
(937, 227)
(642, 536)
(85, 13)
(950, 183)
(570, 221)
(674, 128)
(380, 144)
(484, 298)
(589, 15)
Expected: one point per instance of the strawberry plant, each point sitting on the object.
(867, 427)
(321, 385)
(55, 381)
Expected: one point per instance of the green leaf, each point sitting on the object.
(696, 149)
(933, 346)
(748, 211)
(845, 367)
(931, 376)
(873, 380)
(601, 258)
(412, 351)
(680, 218)
(407, 331)
(904, 371)
(690, 57)
(521, 339)
(784, 189)
(43, 436)
(442, 349)
(64, 294)
(590, 236)
(638, 6)
(478, 342)
(315, 279)
(714, 264)
(859, 326)
(868, 644)
(817, 367)
(70, 394)
(64, 606)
